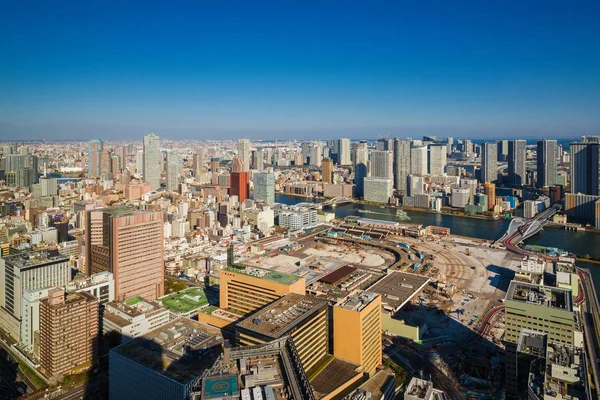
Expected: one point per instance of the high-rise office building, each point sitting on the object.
(449, 145)
(327, 170)
(401, 164)
(360, 169)
(173, 169)
(385, 144)
(437, 159)
(315, 155)
(68, 331)
(546, 163)
(378, 190)
(585, 167)
(489, 162)
(21, 170)
(471, 184)
(418, 160)
(30, 270)
(244, 153)
(517, 157)
(128, 243)
(105, 162)
(152, 160)
(381, 164)
(489, 189)
(239, 185)
(94, 150)
(258, 160)
(502, 149)
(304, 318)
(357, 330)
(264, 187)
(344, 151)
(246, 289)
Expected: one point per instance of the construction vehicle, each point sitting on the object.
(468, 251)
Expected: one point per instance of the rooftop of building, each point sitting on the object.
(532, 342)
(82, 282)
(377, 385)
(227, 315)
(398, 288)
(547, 296)
(32, 258)
(180, 350)
(418, 388)
(357, 301)
(261, 273)
(334, 375)
(134, 306)
(68, 298)
(282, 315)
(184, 301)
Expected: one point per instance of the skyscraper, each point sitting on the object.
(239, 185)
(489, 162)
(173, 168)
(381, 164)
(449, 145)
(401, 164)
(258, 160)
(264, 187)
(418, 160)
(315, 155)
(517, 156)
(437, 159)
(327, 170)
(546, 163)
(94, 150)
(105, 162)
(585, 167)
(244, 153)
(502, 149)
(151, 164)
(360, 169)
(489, 189)
(128, 243)
(344, 151)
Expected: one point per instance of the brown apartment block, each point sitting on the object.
(68, 331)
(129, 243)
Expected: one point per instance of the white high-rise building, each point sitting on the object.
(344, 151)
(258, 161)
(437, 159)
(489, 162)
(152, 160)
(244, 154)
(315, 155)
(173, 168)
(401, 164)
(418, 160)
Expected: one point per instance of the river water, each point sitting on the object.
(575, 242)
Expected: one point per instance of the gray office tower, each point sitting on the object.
(264, 187)
(546, 163)
(401, 164)
(517, 156)
(585, 166)
(502, 150)
(489, 163)
(152, 158)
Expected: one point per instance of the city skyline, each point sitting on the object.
(211, 70)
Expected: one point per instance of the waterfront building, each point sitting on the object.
(68, 331)
(460, 197)
(585, 167)
(361, 160)
(304, 318)
(246, 289)
(128, 243)
(378, 190)
(545, 309)
(152, 160)
(357, 332)
(401, 164)
(517, 156)
(344, 151)
(489, 163)
(244, 154)
(381, 164)
(94, 150)
(583, 208)
(173, 169)
(264, 187)
(418, 160)
(470, 184)
(489, 189)
(546, 163)
(239, 185)
(28, 271)
(294, 217)
(437, 159)
(327, 170)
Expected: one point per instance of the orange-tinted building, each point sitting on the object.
(239, 185)
(327, 168)
(489, 189)
(357, 330)
(246, 289)
(128, 243)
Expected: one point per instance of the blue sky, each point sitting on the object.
(209, 69)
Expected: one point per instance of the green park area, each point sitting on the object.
(185, 300)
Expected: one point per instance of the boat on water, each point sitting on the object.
(366, 211)
(401, 215)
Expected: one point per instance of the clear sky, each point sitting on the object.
(322, 69)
